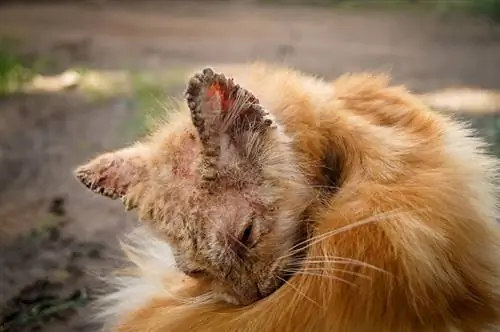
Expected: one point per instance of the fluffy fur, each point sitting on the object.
(403, 235)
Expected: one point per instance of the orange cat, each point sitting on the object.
(303, 205)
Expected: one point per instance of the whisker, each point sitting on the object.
(319, 269)
(348, 227)
(322, 275)
(338, 260)
(307, 243)
(200, 299)
(298, 291)
(325, 187)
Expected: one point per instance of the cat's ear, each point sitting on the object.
(221, 107)
(113, 174)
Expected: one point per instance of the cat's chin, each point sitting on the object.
(227, 298)
(230, 297)
(250, 295)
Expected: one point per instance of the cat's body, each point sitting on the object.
(405, 200)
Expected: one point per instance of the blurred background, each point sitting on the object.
(80, 77)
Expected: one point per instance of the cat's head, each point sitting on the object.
(222, 186)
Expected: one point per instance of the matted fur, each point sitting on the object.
(405, 240)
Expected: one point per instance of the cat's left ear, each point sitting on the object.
(228, 118)
(114, 174)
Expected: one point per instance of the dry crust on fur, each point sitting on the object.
(404, 236)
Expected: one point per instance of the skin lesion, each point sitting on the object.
(215, 175)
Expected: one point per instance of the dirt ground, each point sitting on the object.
(55, 236)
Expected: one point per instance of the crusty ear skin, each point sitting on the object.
(113, 174)
(218, 107)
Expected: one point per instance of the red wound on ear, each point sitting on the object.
(219, 105)
(223, 95)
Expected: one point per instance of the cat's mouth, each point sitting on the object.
(278, 277)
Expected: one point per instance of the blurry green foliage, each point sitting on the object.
(14, 73)
(486, 8)
(489, 8)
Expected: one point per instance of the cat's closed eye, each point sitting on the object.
(245, 237)
(196, 273)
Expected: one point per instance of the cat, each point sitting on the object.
(290, 203)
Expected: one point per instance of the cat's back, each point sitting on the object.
(416, 192)
(382, 120)
(391, 152)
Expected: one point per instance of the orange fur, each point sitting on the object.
(415, 204)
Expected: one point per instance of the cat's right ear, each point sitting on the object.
(114, 174)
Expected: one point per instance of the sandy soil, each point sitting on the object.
(53, 233)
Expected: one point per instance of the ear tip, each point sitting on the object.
(208, 72)
(82, 173)
(91, 168)
(85, 176)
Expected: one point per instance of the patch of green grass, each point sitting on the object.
(42, 309)
(484, 8)
(97, 86)
(488, 126)
(488, 8)
(382, 4)
(46, 224)
(14, 73)
(152, 97)
(147, 92)
(148, 97)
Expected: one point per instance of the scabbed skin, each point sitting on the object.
(399, 188)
